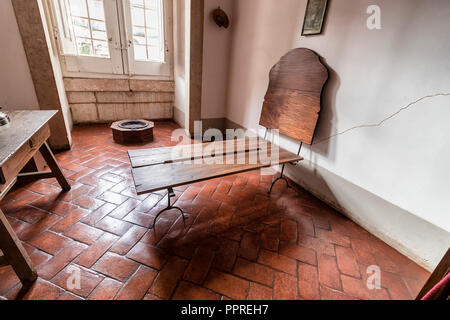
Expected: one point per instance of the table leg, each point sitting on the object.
(14, 253)
(53, 165)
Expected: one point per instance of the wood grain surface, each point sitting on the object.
(292, 101)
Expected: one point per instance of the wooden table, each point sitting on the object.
(165, 168)
(26, 134)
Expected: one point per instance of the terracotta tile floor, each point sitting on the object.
(238, 243)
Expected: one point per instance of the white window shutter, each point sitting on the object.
(63, 27)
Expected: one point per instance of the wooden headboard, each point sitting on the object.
(292, 101)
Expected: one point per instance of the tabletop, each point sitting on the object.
(22, 126)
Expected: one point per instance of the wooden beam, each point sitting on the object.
(3, 261)
(53, 165)
(15, 253)
(33, 33)
(28, 177)
(195, 61)
(438, 274)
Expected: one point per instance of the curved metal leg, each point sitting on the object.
(276, 180)
(279, 178)
(169, 207)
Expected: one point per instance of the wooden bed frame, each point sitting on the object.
(291, 105)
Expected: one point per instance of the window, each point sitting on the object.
(129, 37)
(88, 22)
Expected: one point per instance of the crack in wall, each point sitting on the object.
(385, 119)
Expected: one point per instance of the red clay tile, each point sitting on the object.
(207, 190)
(333, 237)
(60, 261)
(138, 284)
(148, 255)
(125, 208)
(358, 288)
(83, 233)
(143, 219)
(128, 240)
(298, 252)
(189, 291)
(278, 262)
(226, 255)
(66, 296)
(168, 278)
(317, 244)
(111, 197)
(35, 229)
(249, 246)
(38, 258)
(269, 239)
(69, 220)
(259, 292)
(27, 214)
(88, 202)
(396, 286)
(284, 287)
(308, 282)
(49, 242)
(328, 272)
(42, 290)
(9, 279)
(115, 266)
(43, 188)
(332, 294)
(347, 262)
(115, 226)
(254, 272)
(227, 285)
(88, 280)
(288, 231)
(95, 251)
(106, 290)
(199, 266)
(99, 214)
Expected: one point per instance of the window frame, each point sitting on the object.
(120, 64)
(135, 67)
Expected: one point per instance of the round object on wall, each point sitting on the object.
(221, 18)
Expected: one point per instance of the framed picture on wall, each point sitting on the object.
(314, 17)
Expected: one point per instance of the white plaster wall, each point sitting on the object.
(16, 86)
(216, 58)
(181, 56)
(404, 161)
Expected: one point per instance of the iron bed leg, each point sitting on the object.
(279, 178)
(170, 194)
(282, 171)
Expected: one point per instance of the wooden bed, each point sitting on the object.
(291, 105)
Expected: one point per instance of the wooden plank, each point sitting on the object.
(144, 157)
(4, 188)
(28, 177)
(20, 158)
(438, 274)
(15, 253)
(162, 176)
(23, 125)
(292, 101)
(3, 261)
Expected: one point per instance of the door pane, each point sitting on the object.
(88, 19)
(147, 18)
